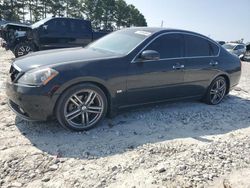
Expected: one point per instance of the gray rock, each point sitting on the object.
(16, 184)
(53, 167)
(142, 160)
(161, 170)
(46, 179)
(114, 168)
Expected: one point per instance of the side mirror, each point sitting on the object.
(150, 55)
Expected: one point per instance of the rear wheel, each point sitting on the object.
(22, 49)
(216, 91)
(81, 107)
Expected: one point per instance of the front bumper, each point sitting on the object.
(30, 103)
(246, 57)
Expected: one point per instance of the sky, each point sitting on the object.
(226, 20)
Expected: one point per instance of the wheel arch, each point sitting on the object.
(226, 76)
(227, 82)
(99, 84)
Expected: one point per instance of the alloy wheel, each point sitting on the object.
(84, 108)
(218, 91)
(23, 50)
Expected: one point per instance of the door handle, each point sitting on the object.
(178, 67)
(213, 63)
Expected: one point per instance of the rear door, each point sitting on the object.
(201, 62)
(157, 80)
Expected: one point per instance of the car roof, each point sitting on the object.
(154, 30)
(41, 22)
(235, 44)
(17, 24)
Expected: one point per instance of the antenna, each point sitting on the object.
(162, 23)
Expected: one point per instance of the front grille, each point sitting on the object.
(14, 73)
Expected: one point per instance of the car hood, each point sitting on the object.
(61, 56)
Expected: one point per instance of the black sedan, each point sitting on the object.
(135, 66)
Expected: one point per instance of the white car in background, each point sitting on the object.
(247, 54)
(235, 48)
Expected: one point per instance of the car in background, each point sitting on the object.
(11, 33)
(235, 48)
(127, 68)
(246, 56)
(49, 33)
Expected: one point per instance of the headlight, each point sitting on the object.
(38, 77)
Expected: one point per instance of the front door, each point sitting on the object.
(158, 80)
(54, 34)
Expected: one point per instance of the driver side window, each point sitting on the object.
(56, 26)
(168, 45)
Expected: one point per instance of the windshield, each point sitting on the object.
(229, 46)
(120, 42)
(37, 24)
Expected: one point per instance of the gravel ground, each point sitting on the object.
(186, 144)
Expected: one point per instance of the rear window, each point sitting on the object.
(57, 26)
(200, 47)
(240, 47)
(78, 26)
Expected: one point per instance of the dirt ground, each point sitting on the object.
(184, 144)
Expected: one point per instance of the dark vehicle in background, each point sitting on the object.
(221, 42)
(126, 68)
(11, 33)
(246, 56)
(50, 33)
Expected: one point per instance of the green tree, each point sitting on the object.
(10, 10)
(135, 18)
(22, 4)
(1, 10)
(93, 11)
(57, 8)
(112, 14)
(73, 8)
(121, 13)
(37, 10)
(108, 14)
(104, 14)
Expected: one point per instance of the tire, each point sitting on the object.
(23, 48)
(81, 107)
(216, 91)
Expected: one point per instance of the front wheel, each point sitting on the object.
(216, 91)
(22, 49)
(81, 107)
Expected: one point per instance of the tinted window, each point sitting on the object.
(78, 26)
(237, 48)
(240, 47)
(169, 46)
(197, 46)
(57, 26)
(214, 49)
